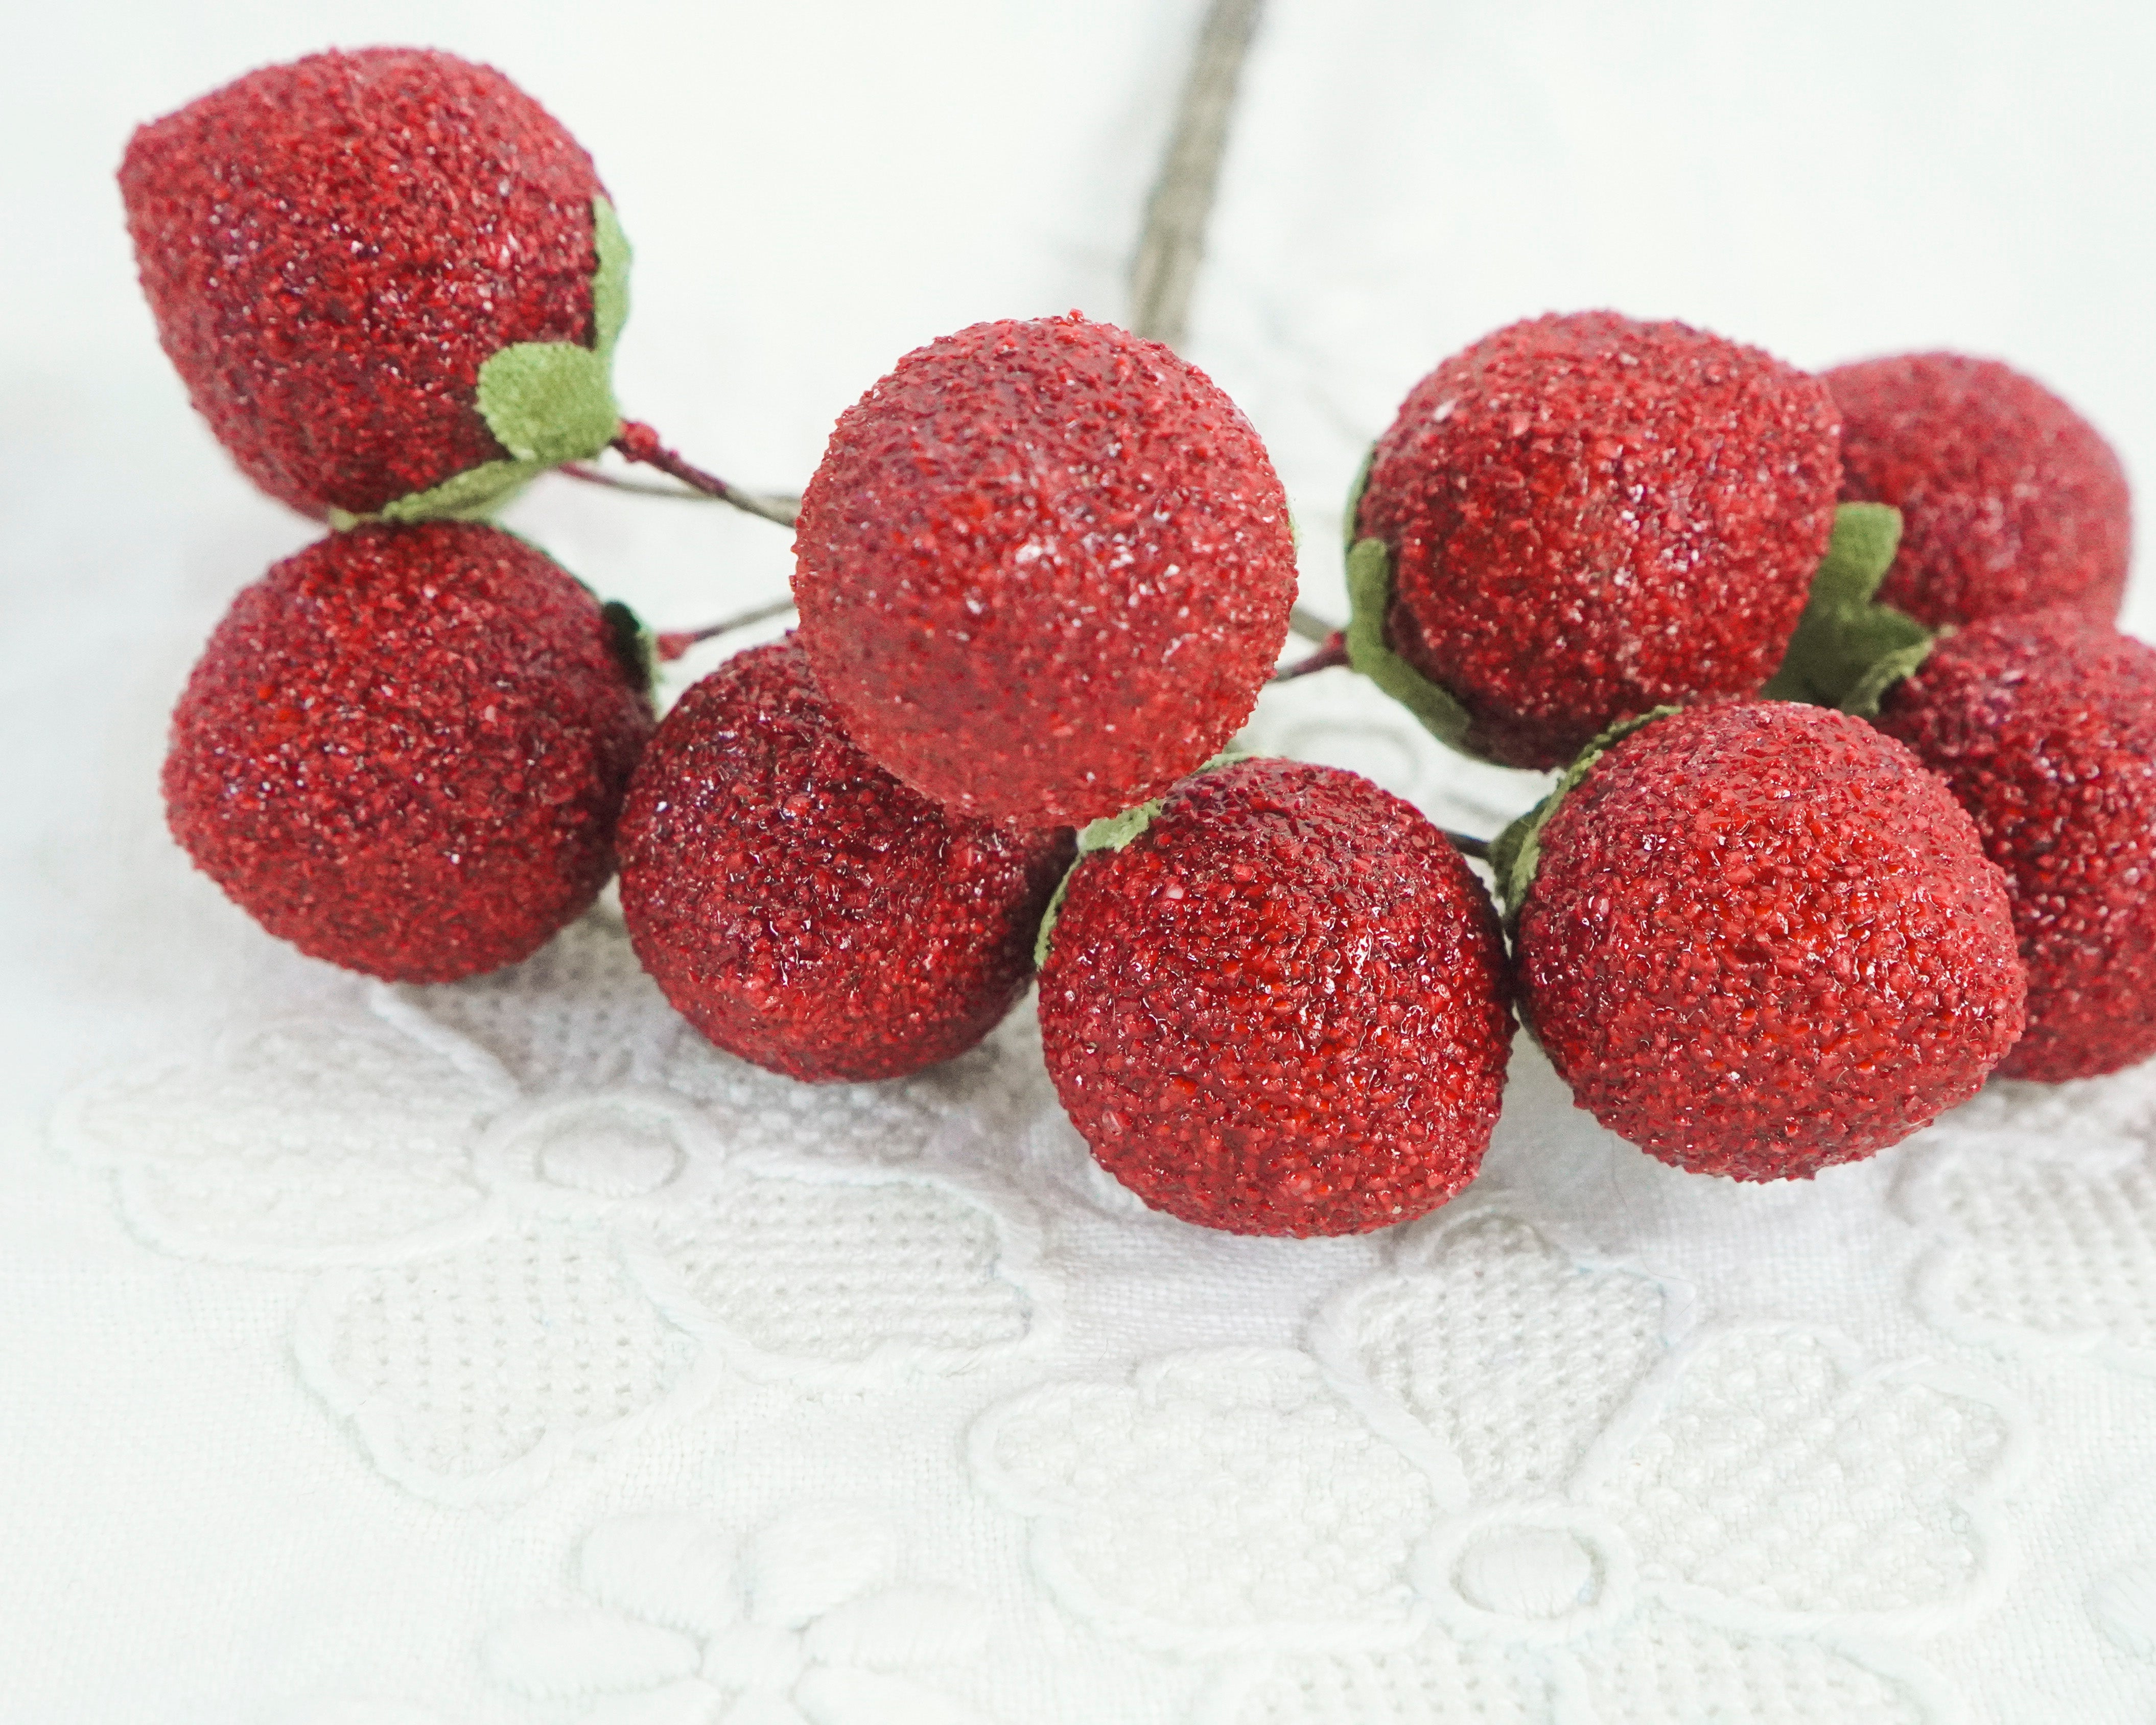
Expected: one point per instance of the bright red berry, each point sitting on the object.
(405, 748)
(1281, 1007)
(1583, 517)
(1759, 938)
(2010, 499)
(1043, 570)
(334, 250)
(803, 908)
(2045, 726)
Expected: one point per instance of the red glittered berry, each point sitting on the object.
(404, 750)
(2045, 726)
(1760, 939)
(803, 908)
(1280, 1008)
(2010, 500)
(335, 249)
(1583, 517)
(1043, 570)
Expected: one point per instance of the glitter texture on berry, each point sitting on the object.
(1281, 1007)
(404, 751)
(334, 250)
(802, 908)
(1043, 570)
(2045, 726)
(1586, 517)
(1762, 939)
(2010, 500)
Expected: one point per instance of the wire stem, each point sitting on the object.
(1332, 652)
(589, 475)
(674, 643)
(1311, 626)
(640, 443)
(1165, 270)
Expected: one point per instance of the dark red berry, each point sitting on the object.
(405, 748)
(334, 248)
(2010, 499)
(1281, 1008)
(803, 908)
(1588, 517)
(2045, 726)
(1762, 939)
(1043, 570)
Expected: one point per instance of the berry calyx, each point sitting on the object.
(391, 281)
(1582, 517)
(1043, 570)
(2010, 500)
(1848, 648)
(2044, 726)
(1761, 938)
(802, 908)
(404, 750)
(1279, 1004)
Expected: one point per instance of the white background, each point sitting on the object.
(812, 190)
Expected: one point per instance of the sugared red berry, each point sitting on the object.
(802, 908)
(1762, 939)
(1280, 1008)
(1043, 570)
(2045, 726)
(334, 248)
(1586, 516)
(2010, 499)
(404, 750)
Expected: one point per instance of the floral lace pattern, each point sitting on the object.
(1502, 1481)
(533, 1218)
(2042, 1214)
(540, 1213)
(800, 1625)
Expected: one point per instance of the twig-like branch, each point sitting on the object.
(639, 443)
(1173, 243)
(594, 476)
(1311, 626)
(1332, 652)
(1467, 844)
(672, 643)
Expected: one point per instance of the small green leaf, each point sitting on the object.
(1111, 832)
(610, 281)
(1517, 853)
(548, 402)
(1848, 648)
(1369, 597)
(473, 495)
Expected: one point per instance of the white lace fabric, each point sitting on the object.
(847, 1404)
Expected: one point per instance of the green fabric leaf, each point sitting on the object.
(1848, 648)
(549, 401)
(610, 281)
(1369, 597)
(1517, 853)
(473, 495)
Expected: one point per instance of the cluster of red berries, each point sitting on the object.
(1817, 864)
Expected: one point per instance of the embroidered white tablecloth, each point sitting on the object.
(380, 1356)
